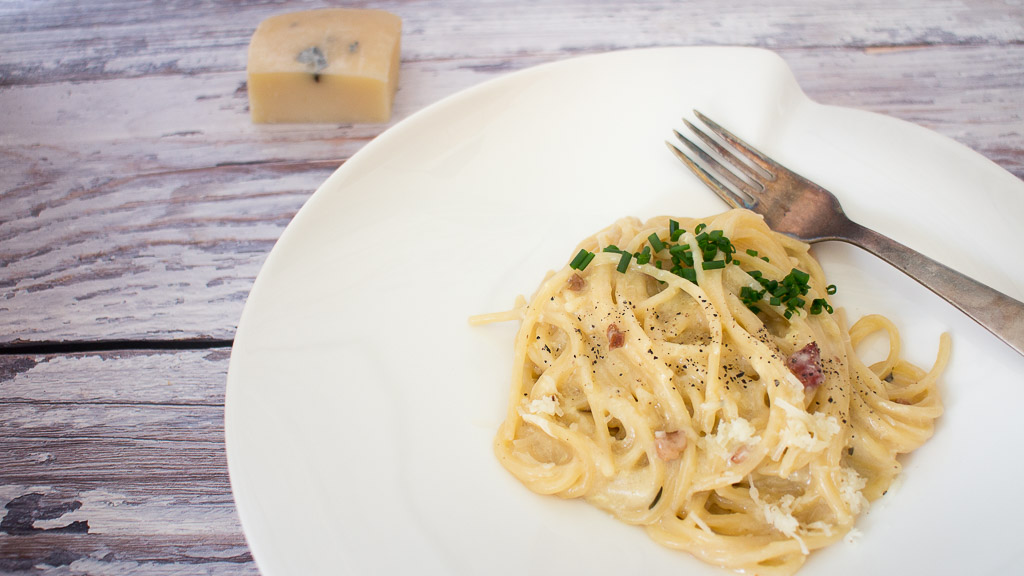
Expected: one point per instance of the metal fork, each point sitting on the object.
(793, 205)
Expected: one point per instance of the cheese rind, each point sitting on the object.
(332, 65)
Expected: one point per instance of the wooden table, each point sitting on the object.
(137, 203)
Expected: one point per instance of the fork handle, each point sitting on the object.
(997, 312)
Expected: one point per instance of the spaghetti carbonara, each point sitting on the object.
(691, 377)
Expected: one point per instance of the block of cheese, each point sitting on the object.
(331, 65)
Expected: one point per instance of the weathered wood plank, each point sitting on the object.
(50, 554)
(143, 399)
(181, 468)
(142, 231)
(128, 419)
(39, 423)
(181, 378)
(132, 248)
(142, 38)
(115, 462)
(161, 124)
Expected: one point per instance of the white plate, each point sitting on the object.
(361, 405)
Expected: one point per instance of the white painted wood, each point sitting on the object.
(138, 202)
(128, 446)
(141, 37)
(156, 228)
(127, 378)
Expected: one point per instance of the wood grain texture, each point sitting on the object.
(138, 202)
(144, 38)
(113, 463)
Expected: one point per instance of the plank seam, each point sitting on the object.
(18, 348)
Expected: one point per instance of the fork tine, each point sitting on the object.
(755, 155)
(725, 193)
(723, 170)
(733, 160)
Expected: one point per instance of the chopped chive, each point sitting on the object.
(765, 258)
(674, 231)
(681, 254)
(657, 264)
(690, 274)
(799, 276)
(753, 308)
(578, 260)
(751, 252)
(713, 265)
(749, 295)
(624, 262)
(611, 248)
(819, 305)
(586, 261)
(830, 289)
(643, 257)
(656, 242)
(700, 227)
(789, 290)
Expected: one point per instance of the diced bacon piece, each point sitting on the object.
(739, 455)
(805, 363)
(670, 445)
(616, 337)
(576, 282)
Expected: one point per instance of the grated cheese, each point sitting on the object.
(730, 436)
(804, 431)
(851, 485)
(780, 516)
(545, 405)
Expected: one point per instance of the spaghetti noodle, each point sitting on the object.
(692, 377)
